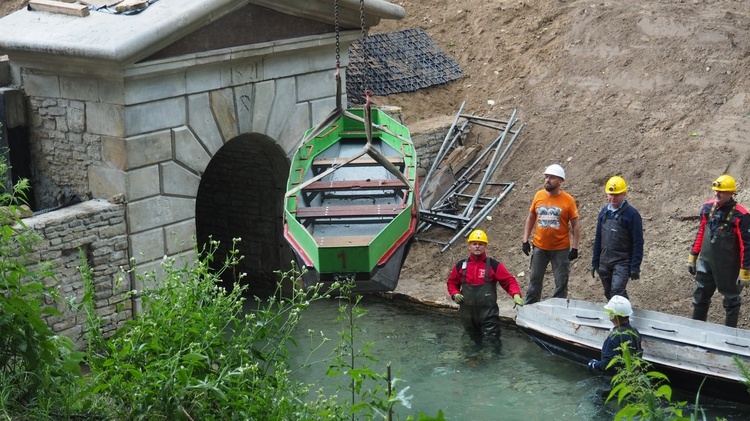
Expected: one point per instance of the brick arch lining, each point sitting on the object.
(241, 196)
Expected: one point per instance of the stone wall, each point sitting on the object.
(98, 228)
(61, 148)
(428, 135)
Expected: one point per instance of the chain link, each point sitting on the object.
(365, 56)
(336, 23)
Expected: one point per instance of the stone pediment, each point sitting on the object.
(161, 29)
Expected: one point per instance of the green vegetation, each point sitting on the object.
(33, 360)
(645, 394)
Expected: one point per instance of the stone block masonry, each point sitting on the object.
(61, 147)
(96, 227)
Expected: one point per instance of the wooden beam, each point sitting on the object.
(60, 7)
(128, 5)
(100, 3)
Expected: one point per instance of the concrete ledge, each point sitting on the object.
(128, 39)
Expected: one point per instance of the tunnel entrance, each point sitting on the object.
(241, 197)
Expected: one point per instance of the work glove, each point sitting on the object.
(593, 272)
(518, 300)
(573, 254)
(458, 298)
(526, 248)
(592, 365)
(744, 278)
(635, 275)
(691, 263)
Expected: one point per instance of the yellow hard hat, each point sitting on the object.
(724, 183)
(615, 185)
(478, 235)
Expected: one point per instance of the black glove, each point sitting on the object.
(635, 275)
(573, 254)
(592, 365)
(526, 248)
(593, 272)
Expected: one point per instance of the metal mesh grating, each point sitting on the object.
(396, 62)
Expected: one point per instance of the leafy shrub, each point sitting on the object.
(32, 357)
(196, 352)
(644, 394)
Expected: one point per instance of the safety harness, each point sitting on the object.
(462, 264)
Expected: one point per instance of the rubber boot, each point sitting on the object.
(700, 312)
(732, 316)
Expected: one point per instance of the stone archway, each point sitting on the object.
(241, 196)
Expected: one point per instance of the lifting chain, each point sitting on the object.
(336, 26)
(365, 56)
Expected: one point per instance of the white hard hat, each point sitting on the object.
(555, 170)
(620, 306)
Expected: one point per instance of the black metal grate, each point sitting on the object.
(396, 62)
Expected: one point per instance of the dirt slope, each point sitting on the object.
(655, 91)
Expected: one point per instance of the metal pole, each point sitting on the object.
(485, 211)
(510, 143)
(442, 146)
(493, 120)
(469, 225)
(487, 174)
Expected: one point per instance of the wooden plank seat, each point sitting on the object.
(355, 211)
(361, 161)
(344, 241)
(389, 183)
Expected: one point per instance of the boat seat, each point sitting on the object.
(361, 161)
(355, 211)
(390, 183)
(344, 241)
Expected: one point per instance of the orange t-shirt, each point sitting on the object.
(553, 215)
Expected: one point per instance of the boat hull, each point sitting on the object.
(352, 203)
(695, 355)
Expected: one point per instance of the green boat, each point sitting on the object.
(351, 205)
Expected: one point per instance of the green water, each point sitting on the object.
(443, 370)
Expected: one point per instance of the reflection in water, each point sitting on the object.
(444, 370)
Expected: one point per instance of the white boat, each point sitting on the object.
(687, 351)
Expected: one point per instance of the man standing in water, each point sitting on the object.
(472, 284)
(555, 214)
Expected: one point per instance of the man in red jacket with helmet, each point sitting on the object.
(720, 255)
(472, 284)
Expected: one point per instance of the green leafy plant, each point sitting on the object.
(644, 393)
(32, 357)
(372, 394)
(199, 351)
(744, 370)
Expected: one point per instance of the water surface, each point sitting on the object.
(446, 371)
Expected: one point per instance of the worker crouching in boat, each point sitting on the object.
(472, 284)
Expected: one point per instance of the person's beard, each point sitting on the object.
(549, 187)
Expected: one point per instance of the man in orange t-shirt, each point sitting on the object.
(555, 214)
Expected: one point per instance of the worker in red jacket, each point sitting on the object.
(720, 255)
(472, 284)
